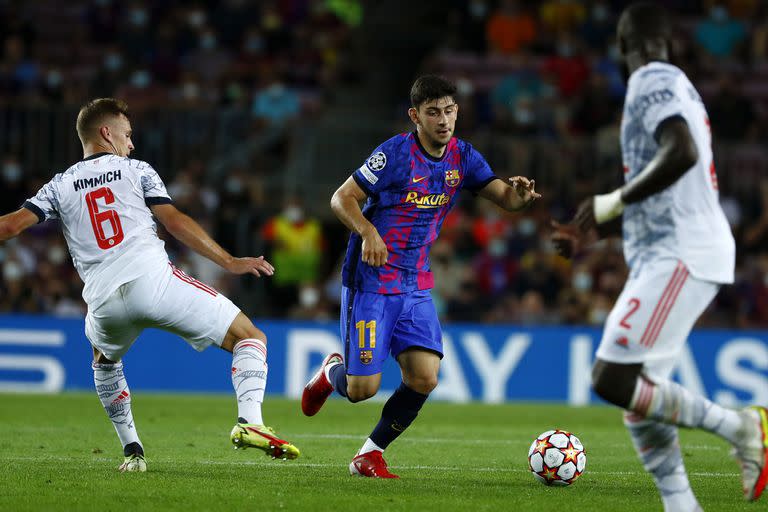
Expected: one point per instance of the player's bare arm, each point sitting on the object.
(345, 204)
(598, 216)
(513, 196)
(12, 224)
(191, 234)
(676, 155)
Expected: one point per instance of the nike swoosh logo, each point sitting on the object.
(421, 178)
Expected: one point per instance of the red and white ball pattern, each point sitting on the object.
(557, 457)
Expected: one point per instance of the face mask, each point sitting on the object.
(565, 50)
(523, 115)
(138, 17)
(613, 52)
(254, 44)
(53, 79)
(113, 62)
(12, 172)
(140, 79)
(598, 316)
(293, 214)
(497, 248)
(57, 255)
(234, 186)
(600, 13)
(526, 227)
(582, 281)
(208, 42)
(309, 297)
(276, 89)
(464, 87)
(478, 9)
(190, 91)
(196, 19)
(12, 271)
(719, 13)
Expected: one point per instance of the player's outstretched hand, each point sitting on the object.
(256, 266)
(525, 189)
(374, 249)
(569, 239)
(585, 216)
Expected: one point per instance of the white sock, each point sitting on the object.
(327, 371)
(113, 392)
(658, 447)
(669, 402)
(369, 446)
(249, 378)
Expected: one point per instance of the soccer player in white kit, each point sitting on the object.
(105, 204)
(679, 249)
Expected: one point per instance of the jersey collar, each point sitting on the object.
(424, 151)
(96, 155)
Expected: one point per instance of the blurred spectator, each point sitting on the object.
(732, 116)
(296, 245)
(569, 66)
(720, 35)
(276, 104)
(510, 28)
(599, 27)
(559, 16)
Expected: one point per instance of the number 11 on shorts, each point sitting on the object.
(361, 327)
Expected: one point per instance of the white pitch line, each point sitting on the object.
(358, 437)
(281, 465)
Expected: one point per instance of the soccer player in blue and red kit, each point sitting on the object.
(409, 184)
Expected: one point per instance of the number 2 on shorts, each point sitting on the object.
(634, 305)
(98, 218)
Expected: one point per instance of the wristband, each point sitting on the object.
(608, 206)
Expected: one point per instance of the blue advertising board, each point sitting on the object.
(486, 363)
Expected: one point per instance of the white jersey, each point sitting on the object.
(103, 202)
(684, 221)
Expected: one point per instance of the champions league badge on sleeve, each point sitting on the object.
(377, 161)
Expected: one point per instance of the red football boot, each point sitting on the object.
(318, 389)
(370, 464)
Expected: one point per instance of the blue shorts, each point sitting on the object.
(374, 325)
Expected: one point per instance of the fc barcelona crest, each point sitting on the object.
(366, 356)
(452, 177)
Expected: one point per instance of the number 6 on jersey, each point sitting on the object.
(98, 218)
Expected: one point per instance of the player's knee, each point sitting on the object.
(615, 383)
(359, 391)
(422, 383)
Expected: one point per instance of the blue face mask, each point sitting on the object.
(140, 79)
(113, 62)
(719, 13)
(582, 281)
(138, 17)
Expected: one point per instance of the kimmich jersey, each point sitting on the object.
(685, 221)
(409, 194)
(103, 204)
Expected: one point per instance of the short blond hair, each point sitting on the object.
(93, 112)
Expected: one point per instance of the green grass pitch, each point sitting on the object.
(61, 453)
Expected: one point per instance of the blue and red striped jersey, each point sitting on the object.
(409, 194)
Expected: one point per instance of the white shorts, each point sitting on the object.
(167, 299)
(654, 315)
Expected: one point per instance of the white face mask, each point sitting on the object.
(309, 297)
(57, 255)
(293, 214)
(582, 281)
(12, 172)
(12, 271)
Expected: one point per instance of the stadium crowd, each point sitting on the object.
(540, 92)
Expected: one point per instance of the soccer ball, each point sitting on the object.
(557, 457)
